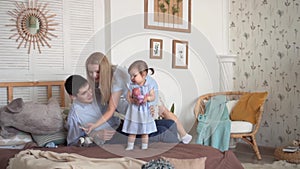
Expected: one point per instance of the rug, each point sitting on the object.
(275, 165)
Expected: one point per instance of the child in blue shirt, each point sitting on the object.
(82, 111)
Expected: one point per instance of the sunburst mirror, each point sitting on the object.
(33, 25)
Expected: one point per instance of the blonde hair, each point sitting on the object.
(105, 74)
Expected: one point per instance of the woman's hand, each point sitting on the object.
(88, 128)
(159, 109)
(152, 110)
(104, 134)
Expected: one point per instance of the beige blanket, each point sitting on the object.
(37, 159)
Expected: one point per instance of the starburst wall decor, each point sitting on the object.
(32, 23)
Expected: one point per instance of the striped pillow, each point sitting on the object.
(19, 139)
(58, 138)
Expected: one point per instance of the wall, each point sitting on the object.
(264, 35)
(116, 27)
(13, 59)
(76, 26)
(208, 17)
(130, 41)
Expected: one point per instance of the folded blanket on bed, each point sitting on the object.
(37, 159)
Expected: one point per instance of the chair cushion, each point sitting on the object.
(241, 127)
(230, 105)
(247, 107)
(238, 126)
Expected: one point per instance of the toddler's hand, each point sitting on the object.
(145, 99)
(136, 101)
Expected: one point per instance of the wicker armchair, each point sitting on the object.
(248, 137)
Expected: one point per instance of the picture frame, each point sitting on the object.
(172, 15)
(180, 54)
(156, 47)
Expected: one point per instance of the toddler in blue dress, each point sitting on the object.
(138, 119)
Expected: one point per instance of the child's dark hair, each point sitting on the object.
(74, 83)
(141, 66)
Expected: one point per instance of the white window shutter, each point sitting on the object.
(18, 59)
(81, 15)
(68, 51)
(52, 58)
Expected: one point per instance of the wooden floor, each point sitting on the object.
(245, 154)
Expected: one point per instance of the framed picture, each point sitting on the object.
(180, 54)
(171, 15)
(156, 46)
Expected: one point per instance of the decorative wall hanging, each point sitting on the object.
(171, 15)
(33, 25)
(156, 46)
(180, 54)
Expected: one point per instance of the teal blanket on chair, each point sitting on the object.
(214, 125)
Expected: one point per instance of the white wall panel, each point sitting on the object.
(76, 26)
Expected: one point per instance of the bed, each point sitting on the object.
(214, 158)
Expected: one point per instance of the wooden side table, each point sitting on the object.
(287, 156)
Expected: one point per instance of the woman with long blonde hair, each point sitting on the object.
(111, 90)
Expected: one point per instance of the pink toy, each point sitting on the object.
(136, 93)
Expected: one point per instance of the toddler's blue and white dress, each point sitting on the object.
(138, 118)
